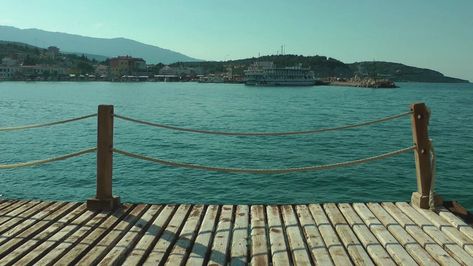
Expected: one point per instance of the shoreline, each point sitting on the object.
(362, 84)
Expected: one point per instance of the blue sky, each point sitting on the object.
(425, 33)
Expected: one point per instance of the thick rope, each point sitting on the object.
(265, 171)
(432, 182)
(47, 124)
(312, 131)
(38, 162)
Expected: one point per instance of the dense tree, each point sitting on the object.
(85, 67)
(30, 61)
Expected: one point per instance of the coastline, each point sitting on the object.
(385, 84)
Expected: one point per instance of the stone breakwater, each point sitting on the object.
(365, 83)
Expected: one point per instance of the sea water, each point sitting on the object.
(234, 107)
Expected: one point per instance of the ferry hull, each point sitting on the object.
(281, 83)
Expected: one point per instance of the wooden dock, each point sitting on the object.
(64, 233)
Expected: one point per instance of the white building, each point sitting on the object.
(41, 70)
(8, 72)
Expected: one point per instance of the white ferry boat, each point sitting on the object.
(266, 74)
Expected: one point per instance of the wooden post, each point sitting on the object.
(420, 137)
(104, 199)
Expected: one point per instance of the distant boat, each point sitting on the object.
(266, 74)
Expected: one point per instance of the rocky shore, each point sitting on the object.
(364, 83)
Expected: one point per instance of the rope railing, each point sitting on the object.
(104, 200)
(49, 160)
(266, 171)
(311, 131)
(47, 124)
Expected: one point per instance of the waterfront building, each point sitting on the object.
(8, 72)
(8, 68)
(42, 70)
(127, 65)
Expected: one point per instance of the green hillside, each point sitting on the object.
(324, 67)
(30, 55)
(399, 72)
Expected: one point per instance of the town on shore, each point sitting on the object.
(50, 65)
(21, 62)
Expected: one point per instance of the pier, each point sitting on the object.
(103, 231)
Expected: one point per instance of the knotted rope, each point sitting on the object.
(265, 171)
(54, 159)
(47, 124)
(312, 131)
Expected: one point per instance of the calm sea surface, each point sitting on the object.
(233, 107)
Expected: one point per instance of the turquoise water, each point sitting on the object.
(234, 107)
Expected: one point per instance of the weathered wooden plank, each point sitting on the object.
(221, 241)
(295, 239)
(17, 226)
(314, 240)
(31, 251)
(201, 248)
(80, 244)
(22, 212)
(354, 247)
(259, 247)
(434, 249)
(34, 226)
(449, 230)
(457, 222)
(239, 247)
(335, 247)
(118, 251)
(15, 204)
(5, 204)
(60, 233)
(279, 249)
(151, 236)
(100, 249)
(438, 236)
(179, 253)
(379, 216)
(165, 243)
(392, 246)
(371, 244)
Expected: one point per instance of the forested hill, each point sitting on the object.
(400, 72)
(329, 67)
(28, 55)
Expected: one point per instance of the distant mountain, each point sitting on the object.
(99, 47)
(400, 72)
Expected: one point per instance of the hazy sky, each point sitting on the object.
(435, 34)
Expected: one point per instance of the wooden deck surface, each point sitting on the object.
(60, 233)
